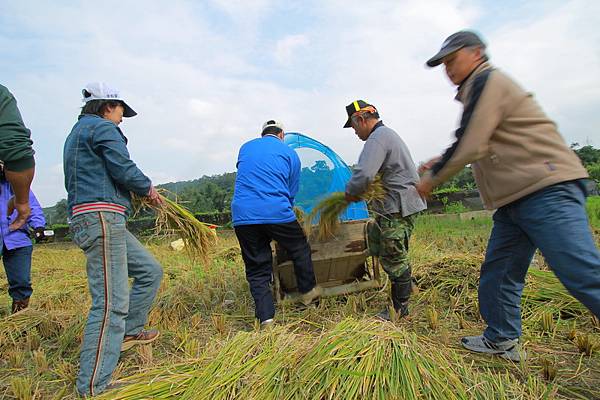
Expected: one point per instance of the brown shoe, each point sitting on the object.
(19, 305)
(144, 337)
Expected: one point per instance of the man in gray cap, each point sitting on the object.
(525, 170)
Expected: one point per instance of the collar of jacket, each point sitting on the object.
(377, 125)
(485, 65)
(88, 115)
(99, 117)
(270, 134)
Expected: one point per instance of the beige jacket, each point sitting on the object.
(512, 146)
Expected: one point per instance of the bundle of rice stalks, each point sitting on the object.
(544, 292)
(300, 215)
(15, 326)
(250, 366)
(357, 359)
(171, 218)
(457, 276)
(450, 274)
(328, 211)
(369, 360)
(156, 384)
(375, 192)
(301, 218)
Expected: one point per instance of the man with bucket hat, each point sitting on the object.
(386, 154)
(525, 170)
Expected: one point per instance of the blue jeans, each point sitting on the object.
(17, 264)
(553, 220)
(113, 254)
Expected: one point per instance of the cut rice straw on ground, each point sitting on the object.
(16, 325)
(172, 217)
(328, 211)
(356, 359)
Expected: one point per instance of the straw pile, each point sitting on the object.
(328, 211)
(12, 327)
(172, 218)
(457, 277)
(544, 292)
(355, 360)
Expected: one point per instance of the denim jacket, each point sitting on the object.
(19, 238)
(97, 165)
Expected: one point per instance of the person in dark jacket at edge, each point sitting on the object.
(524, 170)
(16, 245)
(268, 179)
(386, 154)
(99, 177)
(16, 153)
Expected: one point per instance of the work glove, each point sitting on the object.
(38, 234)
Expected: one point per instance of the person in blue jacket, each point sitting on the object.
(267, 181)
(16, 245)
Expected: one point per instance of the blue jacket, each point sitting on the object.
(19, 238)
(267, 181)
(97, 165)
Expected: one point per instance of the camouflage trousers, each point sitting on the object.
(388, 238)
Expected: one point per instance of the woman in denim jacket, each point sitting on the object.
(99, 176)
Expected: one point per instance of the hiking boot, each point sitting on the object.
(144, 337)
(19, 305)
(312, 294)
(402, 311)
(508, 349)
(266, 324)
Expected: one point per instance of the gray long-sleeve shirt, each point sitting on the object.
(386, 153)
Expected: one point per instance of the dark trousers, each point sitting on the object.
(17, 264)
(255, 243)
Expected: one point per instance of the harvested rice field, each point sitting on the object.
(210, 347)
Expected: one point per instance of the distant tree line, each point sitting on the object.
(590, 157)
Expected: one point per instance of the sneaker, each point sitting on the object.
(312, 294)
(144, 337)
(19, 305)
(508, 349)
(401, 312)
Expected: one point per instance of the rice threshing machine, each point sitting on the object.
(341, 262)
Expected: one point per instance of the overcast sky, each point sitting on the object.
(204, 75)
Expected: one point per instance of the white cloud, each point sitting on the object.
(285, 47)
(557, 58)
(201, 108)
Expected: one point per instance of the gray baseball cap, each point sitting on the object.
(454, 43)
